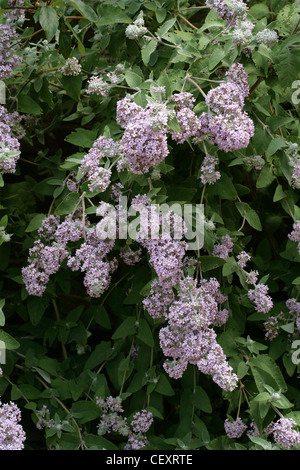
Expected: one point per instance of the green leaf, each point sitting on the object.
(266, 177)
(145, 333)
(82, 138)
(287, 63)
(148, 49)
(276, 144)
(68, 204)
(111, 14)
(210, 262)
(36, 309)
(27, 105)
(163, 29)
(250, 215)
(127, 328)
(102, 352)
(35, 223)
(10, 342)
(133, 79)
(72, 85)
(84, 9)
(49, 21)
(266, 371)
(215, 58)
(201, 400)
(98, 443)
(261, 442)
(65, 43)
(223, 187)
(279, 194)
(85, 411)
(163, 386)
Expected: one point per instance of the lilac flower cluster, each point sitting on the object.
(89, 258)
(223, 249)
(187, 119)
(189, 339)
(263, 302)
(243, 258)
(15, 15)
(209, 175)
(45, 260)
(259, 295)
(111, 421)
(284, 434)
(230, 127)
(144, 142)
(230, 10)
(12, 435)
(8, 60)
(9, 144)
(131, 257)
(90, 168)
(295, 234)
(234, 429)
(141, 423)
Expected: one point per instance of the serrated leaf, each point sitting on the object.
(133, 79)
(148, 49)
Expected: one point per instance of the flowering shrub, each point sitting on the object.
(149, 225)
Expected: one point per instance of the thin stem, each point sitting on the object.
(196, 85)
(184, 19)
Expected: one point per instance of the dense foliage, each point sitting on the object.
(139, 342)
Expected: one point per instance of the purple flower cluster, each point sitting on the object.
(263, 302)
(230, 10)
(45, 260)
(209, 175)
(189, 339)
(111, 421)
(230, 127)
(90, 168)
(284, 434)
(9, 144)
(243, 258)
(89, 258)
(131, 257)
(12, 435)
(144, 142)
(8, 60)
(234, 429)
(187, 119)
(223, 249)
(295, 234)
